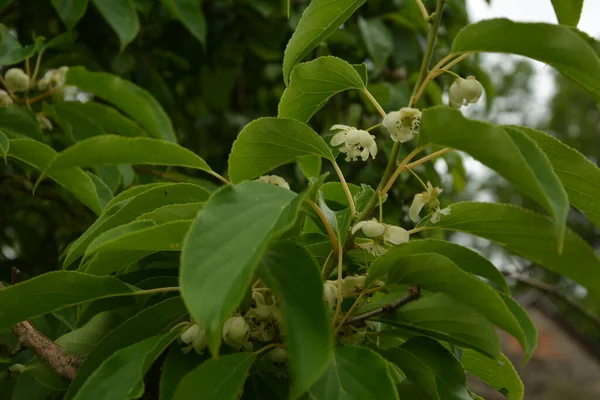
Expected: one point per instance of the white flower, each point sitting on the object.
(263, 322)
(195, 337)
(16, 80)
(259, 299)
(353, 284)
(355, 142)
(236, 331)
(465, 91)
(190, 333)
(53, 79)
(437, 214)
(330, 293)
(274, 180)
(380, 232)
(428, 198)
(43, 122)
(5, 98)
(404, 124)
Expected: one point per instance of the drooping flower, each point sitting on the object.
(356, 142)
(465, 91)
(43, 122)
(330, 293)
(274, 180)
(236, 331)
(195, 337)
(379, 232)
(353, 284)
(5, 98)
(428, 198)
(16, 80)
(437, 214)
(404, 124)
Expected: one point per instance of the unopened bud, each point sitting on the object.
(330, 293)
(5, 98)
(44, 122)
(16, 80)
(236, 331)
(278, 355)
(16, 368)
(190, 334)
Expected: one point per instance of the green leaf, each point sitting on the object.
(415, 370)
(172, 212)
(70, 11)
(568, 12)
(450, 376)
(149, 322)
(121, 376)
(442, 317)
(320, 19)
(313, 83)
(464, 258)
(18, 122)
(310, 166)
(526, 323)
(121, 15)
(189, 12)
(109, 119)
(213, 286)
(378, 40)
(73, 121)
(5, 145)
(512, 155)
(355, 373)
(106, 263)
(559, 46)
(177, 364)
(131, 208)
(115, 150)
(294, 277)
(141, 236)
(53, 291)
(436, 273)
(580, 176)
(134, 191)
(39, 156)
(11, 51)
(499, 374)
(222, 378)
(131, 99)
(529, 235)
(267, 143)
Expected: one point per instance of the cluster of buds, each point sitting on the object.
(274, 180)
(380, 233)
(53, 79)
(428, 198)
(356, 143)
(465, 91)
(404, 124)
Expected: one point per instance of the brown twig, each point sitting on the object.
(553, 291)
(412, 294)
(60, 360)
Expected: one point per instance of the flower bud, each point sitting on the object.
(353, 284)
(190, 334)
(330, 293)
(16, 368)
(465, 91)
(274, 180)
(5, 98)
(278, 355)
(44, 122)
(404, 124)
(200, 342)
(236, 331)
(16, 80)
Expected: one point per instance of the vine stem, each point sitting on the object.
(402, 165)
(219, 177)
(374, 102)
(338, 171)
(334, 242)
(340, 297)
(423, 10)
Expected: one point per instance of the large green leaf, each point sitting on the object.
(526, 323)
(149, 322)
(73, 120)
(559, 46)
(513, 155)
(172, 212)
(189, 12)
(313, 83)
(39, 156)
(19, 122)
(106, 263)
(568, 12)
(294, 276)
(70, 11)
(131, 99)
(177, 364)
(121, 15)
(499, 374)
(267, 143)
(53, 291)
(442, 317)
(450, 377)
(320, 19)
(466, 259)
(579, 176)
(355, 373)
(111, 120)
(529, 235)
(143, 235)
(121, 376)
(378, 40)
(437, 273)
(131, 208)
(115, 150)
(221, 379)
(223, 247)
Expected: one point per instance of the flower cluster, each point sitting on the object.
(404, 124)
(380, 233)
(465, 91)
(427, 198)
(355, 142)
(53, 79)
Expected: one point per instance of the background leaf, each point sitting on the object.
(70, 11)
(568, 12)
(18, 122)
(121, 15)
(189, 12)
(378, 39)
(500, 374)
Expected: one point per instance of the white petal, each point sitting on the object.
(391, 119)
(395, 234)
(417, 205)
(356, 227)
(364, 154)
(354, 136)
(340, 127)
(338, 139)
(372, 229)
